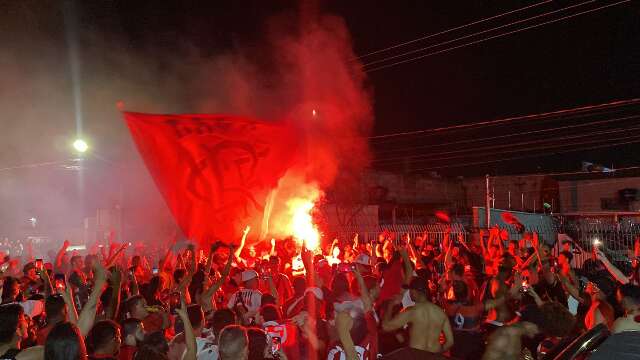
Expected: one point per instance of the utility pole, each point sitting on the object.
(487, 205)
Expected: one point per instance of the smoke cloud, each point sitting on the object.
(302, 70)
(307, 76)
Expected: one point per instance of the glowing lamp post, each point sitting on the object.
(80, 146)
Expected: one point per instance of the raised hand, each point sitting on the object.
(182, 310)
(599, 254)
(100, 273)
(116, 275)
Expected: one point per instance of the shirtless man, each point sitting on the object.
(427, 320)
(498, 288)
(506, 342)
(629, 296)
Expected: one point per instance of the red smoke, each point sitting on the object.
(307, 75)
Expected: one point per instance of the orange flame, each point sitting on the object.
(301, 225)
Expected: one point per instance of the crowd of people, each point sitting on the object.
(484, 296)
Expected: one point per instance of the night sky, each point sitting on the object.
(590, 59)
(149, 53)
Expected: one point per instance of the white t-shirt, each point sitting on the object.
(32, 308)
(206, 350)
(250, 298)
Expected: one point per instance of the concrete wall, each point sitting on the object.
(410, 189)
(588, 195)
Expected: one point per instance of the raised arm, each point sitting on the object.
(212, 251)
(272, 289)
(364, 292)
(207, 297)
(242, 241)
(189, 335)
(485, 253)
(116, 285)
(447, 254)
(307, 261)
(165, 259)
(613, 270)
(48, 289)
(88, 313)
(343, 326)
(71, 307)
(113, 258)
(272, 252)
(61, 253)
(408, 269)
(570, 288)
(501, 239)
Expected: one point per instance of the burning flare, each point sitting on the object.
(301, 225)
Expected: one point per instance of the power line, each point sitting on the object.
(614, 171)
(496, 36)
(543, 147)
(510, 135)
(489, 147)
(475, 34)
(527, 156)
(577, 110)
(452, 29)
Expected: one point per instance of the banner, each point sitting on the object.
(214, 171)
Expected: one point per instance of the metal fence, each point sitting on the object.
(435, 232)
(616, 239)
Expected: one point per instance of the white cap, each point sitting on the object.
(363, 259)
(317, 292)
(248, 275)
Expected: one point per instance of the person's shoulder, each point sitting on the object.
(624, 323)
(434, 308)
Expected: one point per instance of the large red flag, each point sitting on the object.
(214, 171)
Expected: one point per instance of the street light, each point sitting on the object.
(80, 145)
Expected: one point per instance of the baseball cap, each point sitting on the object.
(248, 275)
(363, 259)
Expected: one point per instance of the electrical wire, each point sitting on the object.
(464, 156)
(452, 29)
(545, 115)
(475, 34)
(526, 156)
(458, 142)
(490, 147)
(495, 36)
(613, 171)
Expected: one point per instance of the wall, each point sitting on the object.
(527, 192)
(588, 195)
(415, 189)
